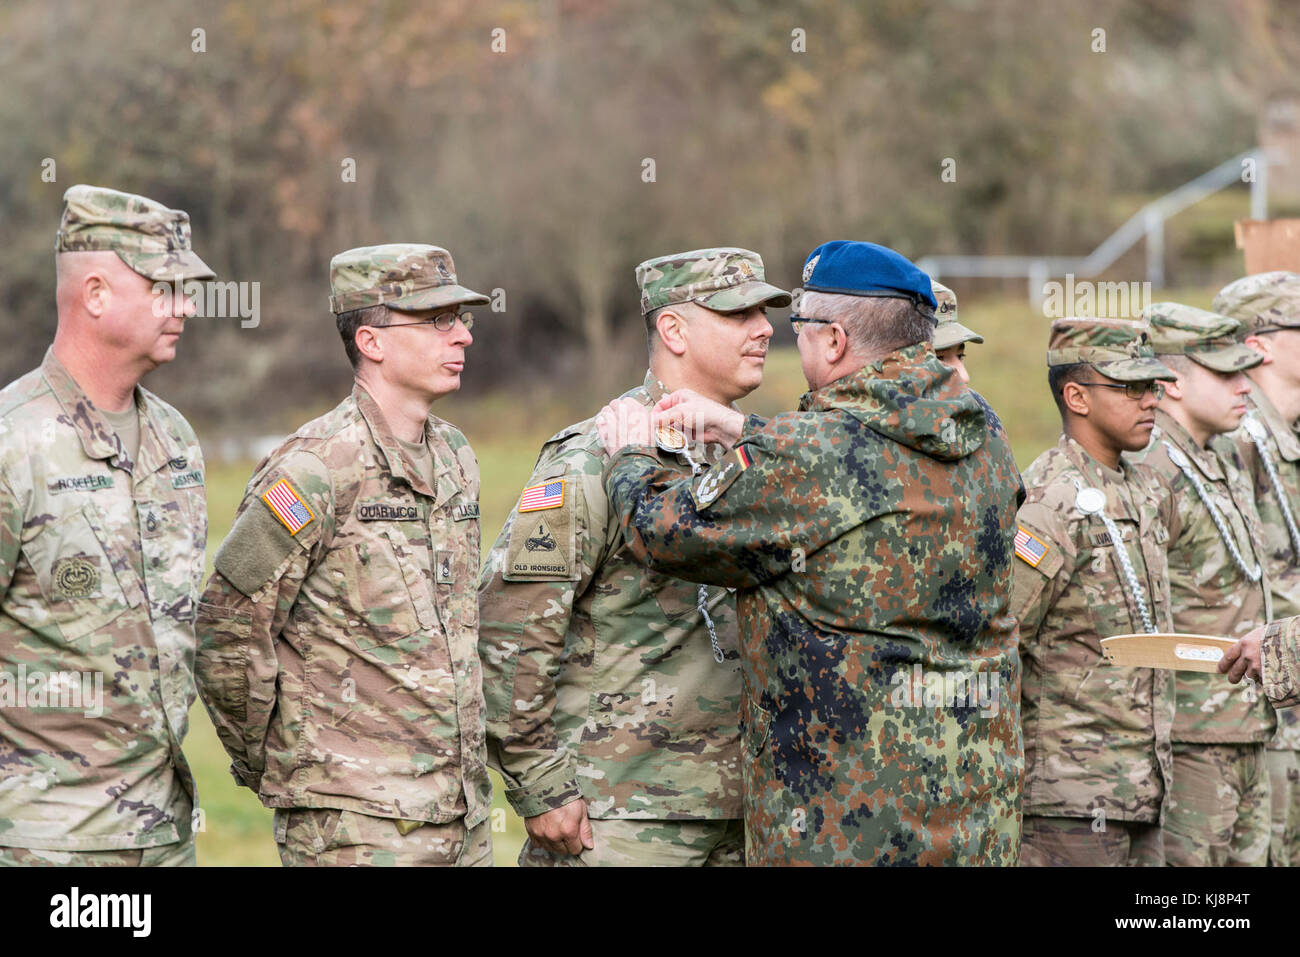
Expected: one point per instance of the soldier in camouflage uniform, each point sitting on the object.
(337, 635)
(614, 690)
(102, 530)
(1268, 442)
(1219, 804)
(950, 336)
(869, 536)
(1091, 543)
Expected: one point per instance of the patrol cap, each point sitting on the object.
(949, 332)
(1119, 349)
(151, 239)
(865, 269)
(1264, 302)
(724, 279)
(403, 276)
(1204, 337)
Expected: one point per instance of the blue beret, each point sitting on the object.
(865, 269)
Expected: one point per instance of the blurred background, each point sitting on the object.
(553, 145)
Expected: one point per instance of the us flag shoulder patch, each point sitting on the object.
(538, 497)
(288, 506)
(1029, 546)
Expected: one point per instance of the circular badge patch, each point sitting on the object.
(1090, 501)
(75, 577)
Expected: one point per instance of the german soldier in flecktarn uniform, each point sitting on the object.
(869, 537)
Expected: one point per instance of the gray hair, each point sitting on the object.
(875, 325)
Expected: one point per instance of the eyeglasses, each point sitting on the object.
(798, 322)
(1133, 390)
(443, 322)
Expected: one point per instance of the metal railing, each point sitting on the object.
(1147, 223)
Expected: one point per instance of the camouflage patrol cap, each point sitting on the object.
(949, 332)
(151, 239)
(723, 279)
(403, 276)
(1119, 349)
(1204, 337)
(1264, 302)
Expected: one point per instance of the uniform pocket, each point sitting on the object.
(221, 664)
(675, 597)
(378, 592)
(758, 725)
(76, 577)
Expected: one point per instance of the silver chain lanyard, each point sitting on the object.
(702, 601)
(1257, 435)
(1121, 552)
(1179, 459)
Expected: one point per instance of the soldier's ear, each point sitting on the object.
(671, 326)
(1260, 345)
(1076, 398)
(1174, 388)
(368, 344)
(837, 343)
(96, 293)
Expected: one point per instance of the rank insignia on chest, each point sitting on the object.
(539, 497)
(1030, 547)
(288, 506)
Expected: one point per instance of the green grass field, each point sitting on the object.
(1008, 369)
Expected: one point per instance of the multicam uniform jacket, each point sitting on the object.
(870, 537)
(599, 674)
(1208, 591)
(337, 636)
(1096, 736)
(1278, 514)
(101, 559)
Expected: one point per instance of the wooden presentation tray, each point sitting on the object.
(1175, 652)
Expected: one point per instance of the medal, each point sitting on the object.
(669, 439)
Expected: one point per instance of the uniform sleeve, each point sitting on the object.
(11, 533)
(1280, 662)
(259, 571)
(733, 525)
(1039, 572)
(541, 563)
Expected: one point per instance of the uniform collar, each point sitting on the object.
(158, 445)
(394, 456)
(1206, 462)
(1109, 481)
(1284, 433)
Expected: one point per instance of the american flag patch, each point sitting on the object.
(1029, 547)
(288, 506)
(538, 497)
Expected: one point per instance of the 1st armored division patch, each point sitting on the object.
(542, 537)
